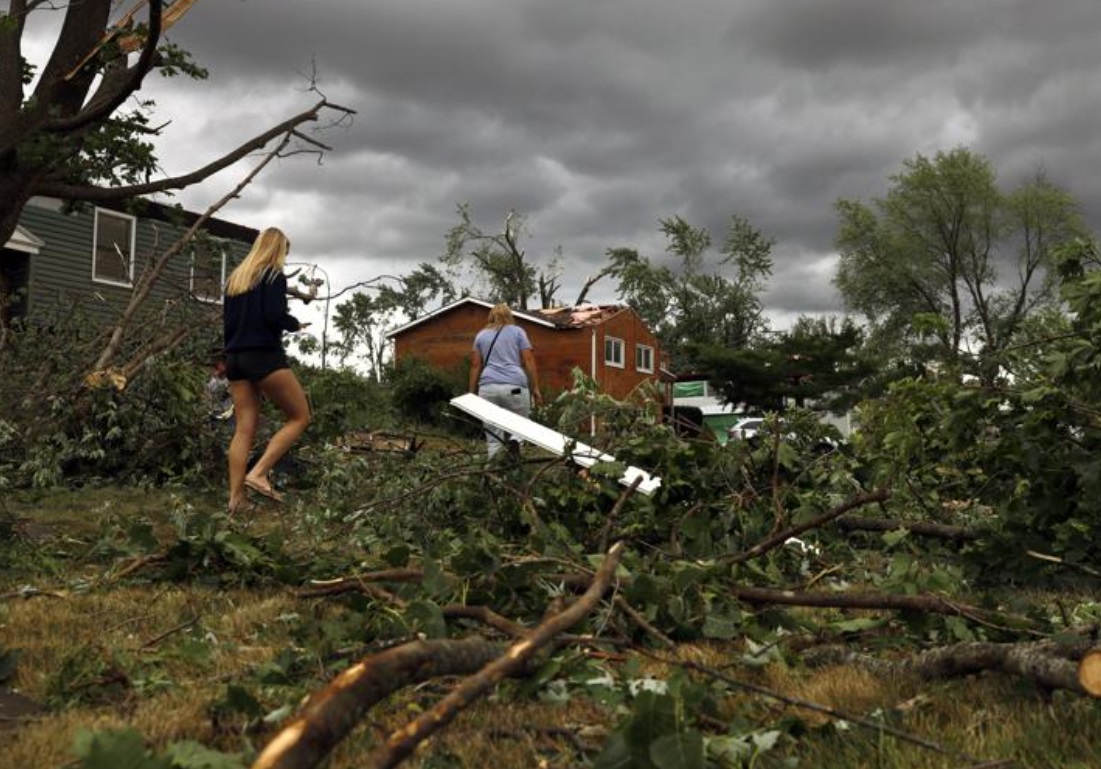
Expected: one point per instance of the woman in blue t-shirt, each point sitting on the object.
(503, 365)
(255, 318)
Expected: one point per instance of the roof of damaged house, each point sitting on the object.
(579, 316)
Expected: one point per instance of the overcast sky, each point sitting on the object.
(598, 118)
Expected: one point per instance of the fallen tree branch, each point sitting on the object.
(932, 604)
(333, 712)
(922, 528)
(1050, 664)
(776, 540)
(487, 617)
(402, 742)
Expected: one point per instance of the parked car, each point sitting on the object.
(751, 429)
(744, 429)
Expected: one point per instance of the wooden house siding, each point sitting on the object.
(60, 276)
(445, 341)
(622, 382)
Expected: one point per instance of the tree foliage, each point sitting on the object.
(818, 362)
(948, 247)
(692, 305)
(363, 319)
(495, 267)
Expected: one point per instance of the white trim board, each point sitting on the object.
(551, 440)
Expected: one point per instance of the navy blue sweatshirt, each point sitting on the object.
(256, 319)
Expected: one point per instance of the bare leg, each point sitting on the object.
(246, 414)
(284, 390)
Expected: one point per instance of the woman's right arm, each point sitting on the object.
(275, 304)
(528, 358)
(475, 370)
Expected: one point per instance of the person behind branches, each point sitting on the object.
(503, 365)
(255, 317)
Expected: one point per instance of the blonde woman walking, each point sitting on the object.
(255, 318)
(503, 365)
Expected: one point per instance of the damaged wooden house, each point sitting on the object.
(608, 343)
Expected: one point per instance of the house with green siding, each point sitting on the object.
(65, 260)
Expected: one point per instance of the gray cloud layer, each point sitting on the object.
(596, 118)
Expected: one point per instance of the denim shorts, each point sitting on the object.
(254, 365)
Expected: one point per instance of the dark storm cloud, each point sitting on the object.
(598, 118)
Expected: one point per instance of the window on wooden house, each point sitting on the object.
(208, 271)
(644, 358)
(613, 351)
(113, 255)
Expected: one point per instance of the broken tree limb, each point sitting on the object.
(922, 528)
(1048, 664)
(931, 604)
(330, 714)
(486, 616)
(333, 712)
(402, 742)
(776, 540)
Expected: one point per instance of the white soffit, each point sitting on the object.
(24, 240)
(548, 439)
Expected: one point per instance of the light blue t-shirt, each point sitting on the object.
(504, 363)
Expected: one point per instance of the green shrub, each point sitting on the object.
(420, 392)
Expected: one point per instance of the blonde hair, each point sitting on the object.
(268, 252)
(500, 315)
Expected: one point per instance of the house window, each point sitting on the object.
(113, 257)
(208, 271)
(613, 351)
(644, 358)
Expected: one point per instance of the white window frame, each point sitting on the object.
(617, 344)
(215, 248)
(129, 283)
(647, 352)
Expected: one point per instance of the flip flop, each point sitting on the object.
(264, 491)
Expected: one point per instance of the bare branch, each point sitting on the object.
(95, 194)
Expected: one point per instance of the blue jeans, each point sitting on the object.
(515, 398)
